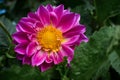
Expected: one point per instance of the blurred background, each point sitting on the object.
(99, 59)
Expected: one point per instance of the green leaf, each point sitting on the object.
(115, 61)
(90, 56)
(10, 27)
(7, 28)
(106, 9)
(16, 72)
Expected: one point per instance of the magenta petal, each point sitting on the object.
(20, 37)
(77, 19)
(57, 58)
(15, 42)
(25, 27)
(53, 18)
(31, 49)
(67, 51)
(21, 48)
(18, 28)
(59, 11)
(19, 56)
(72, 41)
(45, 66)
(66, 22)
(83, 38)
(32, 37)
(44, 15)
(38, 58)
(67, 11)
(83, 28)
(48, 59)
(33, 16)
(26, 60)
(49, 7)
(38, 26)
(28, 20)
(74, 31)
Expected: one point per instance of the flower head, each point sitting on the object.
(45, 37)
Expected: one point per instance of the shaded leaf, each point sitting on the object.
(115, 61)
(89, 57)
(106, 9)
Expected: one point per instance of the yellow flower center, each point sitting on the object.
(49, 38)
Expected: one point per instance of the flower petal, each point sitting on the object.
(57, 58)
(49, 58)
(68, 52)
(25, 27)
(18, 28)
(38, 58)
(38, 25)
(83, 38)
(32, 37)
(77, 19)
(59, 11)
(45, 66)
(26, 60)
(53, 18)
(21, 48)
(66, 22)
(31, 49)
(33, 16)
(74, 31)
(72, 41)
(20, 37)
(19, 56)
(67, 11)
(28, 20)
(49, 7)
(44, 15)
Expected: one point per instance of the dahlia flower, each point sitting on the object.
(46, 36)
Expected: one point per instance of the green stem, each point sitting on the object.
(6, 31)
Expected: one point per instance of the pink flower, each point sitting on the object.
(45, 37)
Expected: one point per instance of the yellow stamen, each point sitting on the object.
(49, 38)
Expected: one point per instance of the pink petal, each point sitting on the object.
(67, 11)
(20, 37)
(66, 22)
(74, 31)
(68, 52)
(49, 7)
(38, 58)
(83, 28)
(38, 26)
(72, 41)
(28, 20)
(19, 56)
(44, 15)
(32, 37)
(25, 27)
(45, 66)
(77, 19)
(59, 11)
(49, 58)
(33, 16)
(83, 38)
(21, 48)
(53, 18)
(15, 42)
(57, 58)
(26, 60)
(31, 49)
(18, 28)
